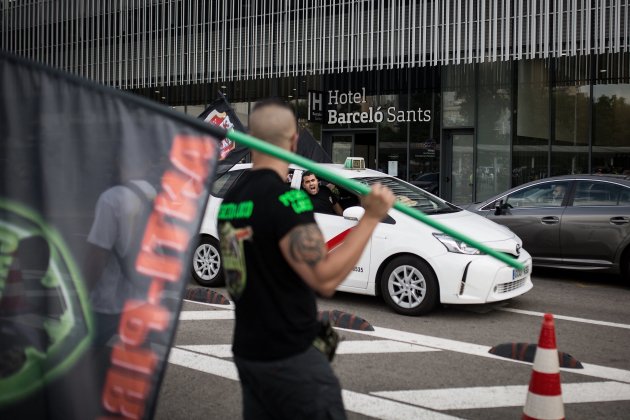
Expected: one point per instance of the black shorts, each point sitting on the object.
(299, 387)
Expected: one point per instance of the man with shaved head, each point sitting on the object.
(276, 260)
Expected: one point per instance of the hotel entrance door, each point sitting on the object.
(341, 144)
(458, 166)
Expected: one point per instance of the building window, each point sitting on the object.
(424, 140)
(392, 137)
(530, 153)
(458, 96)
(611, 144)
(571, 102)
(493, 129)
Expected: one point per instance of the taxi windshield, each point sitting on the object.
(412, 196)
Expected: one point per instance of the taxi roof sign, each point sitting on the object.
(354, 163)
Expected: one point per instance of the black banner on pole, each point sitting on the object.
(310, 148)
(100, 195)
(221, 114)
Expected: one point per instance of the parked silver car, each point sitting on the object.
(573, 221)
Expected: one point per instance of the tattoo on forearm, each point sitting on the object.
(306, 244)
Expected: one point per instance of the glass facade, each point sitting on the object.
(458, 96)
(530, 151)
(474, 97)
(425, 137)
(611, 142)
(494, 129)
(570, 102)
(465, 131)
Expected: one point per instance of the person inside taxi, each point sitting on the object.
(324, 201)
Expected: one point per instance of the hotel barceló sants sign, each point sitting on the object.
(322, 108)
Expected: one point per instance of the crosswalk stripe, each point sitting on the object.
(601, 372)
(217, 350)
(394, 405)
(365, 404)
(505, 396)
(203, 363)
(345, 347)
(379, 346)
(567, 318)
(381, 408)
(205, 315)
(597, 371)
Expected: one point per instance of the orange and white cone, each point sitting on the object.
(544, 399)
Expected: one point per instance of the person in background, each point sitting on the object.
(323, 199)
(275, 261)
(557, 194)
(117, 218)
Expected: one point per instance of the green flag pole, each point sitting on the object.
(322, 171)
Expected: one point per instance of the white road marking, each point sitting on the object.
(217, 350)
(428, 341)
(602, 372)
(567, 318)
(345, 347)
(513, 310)
(380, 404)
(379, 346)
(214, 305)
(377, 406)
(205, 315)
(596, 371)
(203, 363)
(505, 396)
(353, 401)
(380, 408)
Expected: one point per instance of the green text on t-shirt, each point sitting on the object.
(298, 200)
(231, 211)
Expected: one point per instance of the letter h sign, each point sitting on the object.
(316, 106)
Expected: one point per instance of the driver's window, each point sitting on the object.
(347, 199)
(323, 194)
(549, 194)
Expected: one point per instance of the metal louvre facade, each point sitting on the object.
(132, 44)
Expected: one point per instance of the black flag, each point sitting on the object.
(310, 148)
(100, 194)
(221, 114)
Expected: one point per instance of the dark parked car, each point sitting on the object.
(429, 182)
(573, 221)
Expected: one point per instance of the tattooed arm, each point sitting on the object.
(305, 250)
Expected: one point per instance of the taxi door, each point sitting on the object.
(335, 229)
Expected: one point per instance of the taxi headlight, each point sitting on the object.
(457, 246)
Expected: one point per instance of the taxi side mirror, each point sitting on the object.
(354, 213)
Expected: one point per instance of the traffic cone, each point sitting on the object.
(544, 398)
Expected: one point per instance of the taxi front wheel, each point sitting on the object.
(206, 263)
(409, 286)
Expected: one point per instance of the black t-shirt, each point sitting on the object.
(276, 311)
(323, 201)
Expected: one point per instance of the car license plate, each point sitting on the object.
(517, 274)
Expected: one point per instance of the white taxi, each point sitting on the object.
(411, 265)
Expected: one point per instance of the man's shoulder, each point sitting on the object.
(113, 196)
(259, 189)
